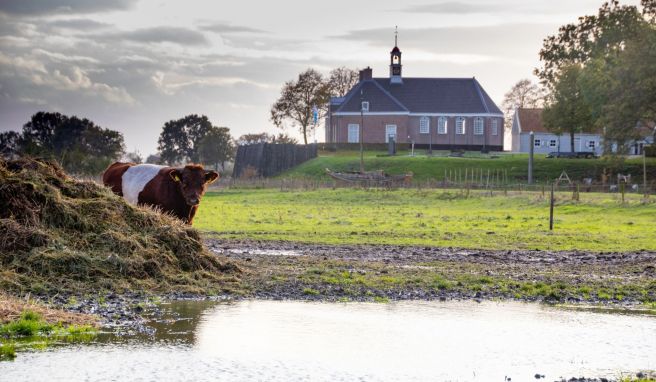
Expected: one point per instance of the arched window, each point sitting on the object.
(424, 125)
(441, 125)
(460, 126)
(478, 126)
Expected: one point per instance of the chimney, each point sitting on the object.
(366, 74)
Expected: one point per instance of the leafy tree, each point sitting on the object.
(216, 147)
(594, 36)
(248, 139)
(134, 157)
(9, 143)
(180, 138)
(252, 138)
(567, 112)
(284, 138)
(341, 80)
(524, 94)
(78, 144)
(298, 98)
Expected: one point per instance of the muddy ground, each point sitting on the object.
(282, 270)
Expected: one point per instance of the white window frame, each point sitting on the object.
(442, 125)
(353, 133)
(593, 146)
(495, 126)
(479, 125)
(460, 126)
(537, 142)
(365, 105)
(387, 133)
(424, 125)
(553, 143)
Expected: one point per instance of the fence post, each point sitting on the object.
(551, 208)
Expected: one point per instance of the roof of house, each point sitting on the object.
(420, 95)
(531, 120)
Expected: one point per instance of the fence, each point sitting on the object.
(270, 159)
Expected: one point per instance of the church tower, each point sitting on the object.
(395, 61)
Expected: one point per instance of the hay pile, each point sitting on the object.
(58, 234)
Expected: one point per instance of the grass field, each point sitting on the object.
(598, 222)
(434, 167)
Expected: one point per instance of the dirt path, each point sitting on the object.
(365, 272)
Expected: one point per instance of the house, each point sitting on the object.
(441, 113)
(527, 120)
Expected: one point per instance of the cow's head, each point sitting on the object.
(192, 180)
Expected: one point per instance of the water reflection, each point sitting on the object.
(413, 341)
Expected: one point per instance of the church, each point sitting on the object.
(441, 113)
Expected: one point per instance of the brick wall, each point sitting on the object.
(408, 130)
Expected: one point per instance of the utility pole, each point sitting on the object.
(530, 157)
(361, 133)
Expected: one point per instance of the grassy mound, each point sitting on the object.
(58, 234)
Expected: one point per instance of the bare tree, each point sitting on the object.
(299, 98)
(341, 80)
(524, 94)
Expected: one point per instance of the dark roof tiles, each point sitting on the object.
(421, 95)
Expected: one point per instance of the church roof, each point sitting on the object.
(420, 95)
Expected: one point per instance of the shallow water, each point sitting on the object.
(405, 341)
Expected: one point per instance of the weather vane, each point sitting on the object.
(396, 35)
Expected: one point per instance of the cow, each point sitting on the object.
(176, 191)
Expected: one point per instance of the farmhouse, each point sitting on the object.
(443, 113)
(527, 120)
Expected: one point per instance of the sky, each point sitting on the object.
(132, 65)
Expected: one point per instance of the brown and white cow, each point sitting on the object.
(174, 190)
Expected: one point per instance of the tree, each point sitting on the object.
(622, 89)
(524, 94)
(9, 143)
(154, 159)
(248, 139)
(341, 80)
(180, 138)
(216, 147)
(567, 112)
(134, 157)
(594, 36)
(297, 100)
(78, 144)
(284, 138)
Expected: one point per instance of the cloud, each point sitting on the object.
(36, 7)
(502, 41)
(176, 35)
(78, 24)
(227, 28)
(454, 7)
(71, 79)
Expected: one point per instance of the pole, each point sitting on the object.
(530, 157)
(551, 208)
(361, 138)
(644, 172)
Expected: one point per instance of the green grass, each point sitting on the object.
(425, 168)
(32, 331)
(598, 222)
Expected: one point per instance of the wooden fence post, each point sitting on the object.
(551, 208)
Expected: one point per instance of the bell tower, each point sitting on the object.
(395, 61)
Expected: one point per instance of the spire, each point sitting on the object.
(396, 36)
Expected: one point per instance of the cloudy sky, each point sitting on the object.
(131, 65)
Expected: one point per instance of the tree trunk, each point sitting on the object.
(571, 141)
(305, 134)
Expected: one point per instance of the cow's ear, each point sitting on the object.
(211, 176)
(176, 175)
